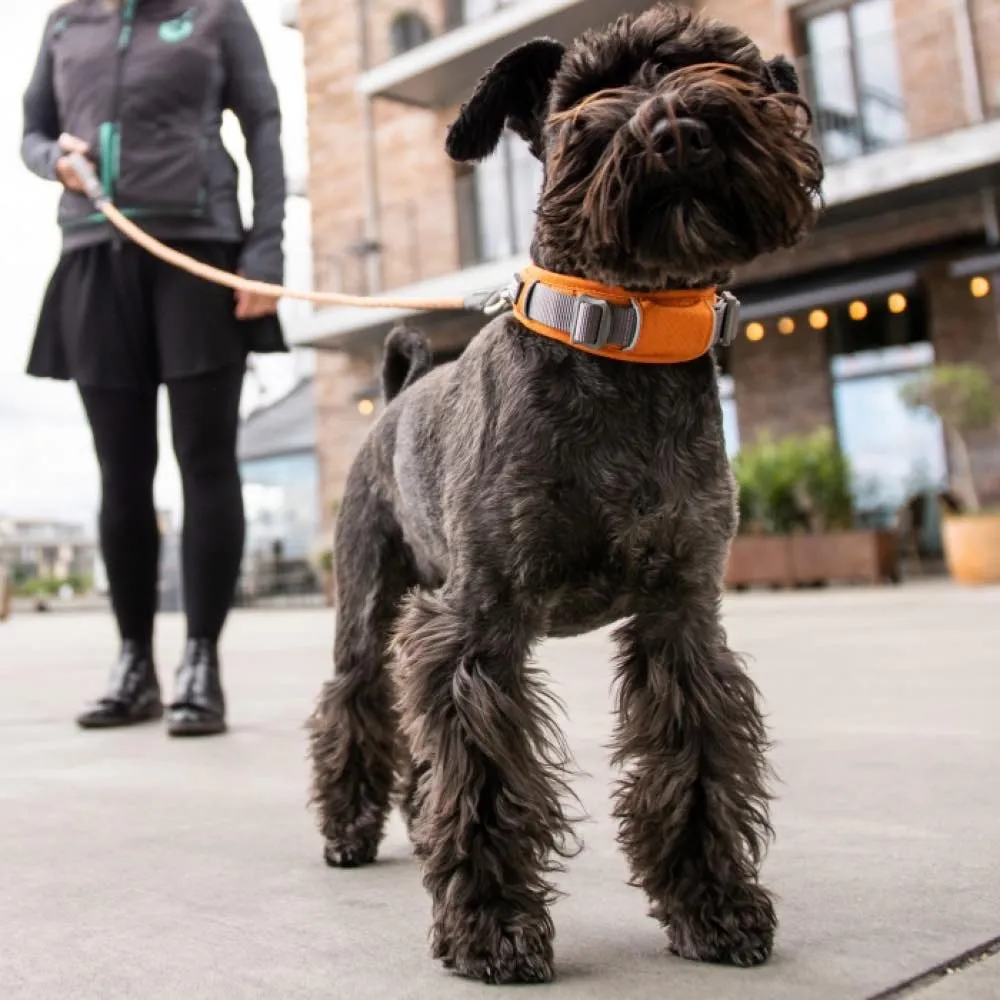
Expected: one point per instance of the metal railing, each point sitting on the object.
(917, 80)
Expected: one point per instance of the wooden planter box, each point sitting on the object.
(760, 561)
(814, 560)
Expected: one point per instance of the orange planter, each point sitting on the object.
(972, 547)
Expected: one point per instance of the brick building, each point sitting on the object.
(899, 274)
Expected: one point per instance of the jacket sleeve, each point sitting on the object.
(39, 142)
(253, 98)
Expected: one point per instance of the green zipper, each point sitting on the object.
(110, 138)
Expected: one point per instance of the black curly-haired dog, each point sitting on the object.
(532, 489)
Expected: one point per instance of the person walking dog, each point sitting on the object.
(140, 87)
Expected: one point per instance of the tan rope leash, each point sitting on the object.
(95, 191)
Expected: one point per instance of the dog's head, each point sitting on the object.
(673, 151)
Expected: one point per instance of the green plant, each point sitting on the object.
(799, 482)
(965, 400)
(82, 583)
(38, 587)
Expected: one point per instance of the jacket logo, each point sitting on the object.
(177, 30)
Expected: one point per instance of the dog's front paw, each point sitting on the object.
(344, 853)
(518, 951)
(737, 930)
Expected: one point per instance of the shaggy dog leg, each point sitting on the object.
(353, 731)
(693, 801)
(490, 822)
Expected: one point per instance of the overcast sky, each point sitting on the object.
(47, 467)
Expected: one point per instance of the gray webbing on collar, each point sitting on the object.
(588, 321)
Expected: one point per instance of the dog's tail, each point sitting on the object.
(407, 358)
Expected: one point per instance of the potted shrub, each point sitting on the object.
(760, 554)
(966, 401)
(796, 518)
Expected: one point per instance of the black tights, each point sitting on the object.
(204, 416)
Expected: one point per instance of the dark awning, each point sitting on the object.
(821, 293)
(897, 272)
(983, 263)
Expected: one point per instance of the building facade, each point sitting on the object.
(901, 273)
(46, 550)
(276, 449)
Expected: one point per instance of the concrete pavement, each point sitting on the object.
(138, 868)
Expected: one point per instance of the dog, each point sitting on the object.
(540, 486)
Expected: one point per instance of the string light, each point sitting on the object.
(857, 310)
(897, 303)
(818, 319)
(980, 287)
(786, 325)
(755, 331)
(366, 407)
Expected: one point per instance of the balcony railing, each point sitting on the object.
(915, 81)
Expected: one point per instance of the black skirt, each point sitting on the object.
(115, 317)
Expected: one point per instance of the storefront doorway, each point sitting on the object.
(876, 346)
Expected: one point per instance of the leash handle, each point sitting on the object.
(92, 186)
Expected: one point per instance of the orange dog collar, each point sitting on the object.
(658, 328)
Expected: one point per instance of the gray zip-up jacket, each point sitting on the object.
(145, 85)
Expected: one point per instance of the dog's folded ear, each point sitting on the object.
(514, 93)
(782, 76)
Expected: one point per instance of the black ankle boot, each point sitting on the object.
(199, 706)
(133, 693)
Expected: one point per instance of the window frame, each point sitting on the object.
(809, 11)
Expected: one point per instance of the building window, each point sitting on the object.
(460, 12)
(853, 77)
(408, 30)
(497, 201)
(895, 453)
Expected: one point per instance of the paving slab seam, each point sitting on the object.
(950, 966)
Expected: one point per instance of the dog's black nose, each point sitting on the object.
(683, 142)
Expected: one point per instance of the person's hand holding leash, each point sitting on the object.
(70, 144)
(253, 305)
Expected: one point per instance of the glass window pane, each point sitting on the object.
(495, 238)
(894, 452)
(526, 184)
(882, 106)
(831, 74)
(731, 426)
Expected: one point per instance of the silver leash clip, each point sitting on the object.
(497, 301)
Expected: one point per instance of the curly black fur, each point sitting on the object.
(529, 490)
